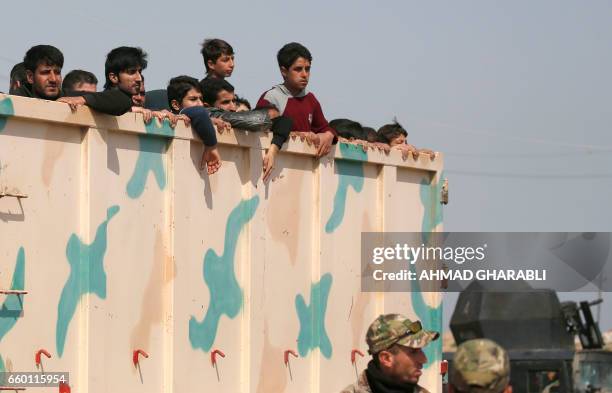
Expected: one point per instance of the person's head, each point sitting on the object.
(371, 134)
(139, 98)
(184, 92)
(218, 93)
(294, 62)
(348, 129)
(218, 58)
(393, 134)
(43, 65)
(396, 344)
(18, 77)
(123, 69)
(242, 104)
(79, 80)
(480, 366)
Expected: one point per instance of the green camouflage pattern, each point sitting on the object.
(390, 329)
(480, 364)
(362, 386)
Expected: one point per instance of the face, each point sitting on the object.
(405, 366)
(398, 140)
(46, 80)
(192, 98)
(223, 67)
(88, 87)
(226, 100)
(242, 108)
(138, 99)
(296, 77)
(129, 80)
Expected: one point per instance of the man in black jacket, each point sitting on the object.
(43, 65)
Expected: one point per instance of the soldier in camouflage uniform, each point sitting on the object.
(396, 344)
(480, 366)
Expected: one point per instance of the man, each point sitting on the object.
(79, 80)
(396, 344)
(18, 78)
(123, 69)
(123, 72)
(43, 65)
(480, 366)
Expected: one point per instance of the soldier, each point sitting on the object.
(480, 366)
(396, 344)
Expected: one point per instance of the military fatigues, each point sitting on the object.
(386, 331)
(362, 386)
(480, 364)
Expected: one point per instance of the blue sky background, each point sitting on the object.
(518, 95)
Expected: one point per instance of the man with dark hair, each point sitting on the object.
(218, 58)
(123, 73)
(293, 101)
(396, 344)
(43, 65)
(219, 97)
(123, 69)
(18, 78)
(79, 80)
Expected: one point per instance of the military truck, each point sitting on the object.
(538, 332)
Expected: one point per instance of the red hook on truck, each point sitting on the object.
(289, 352)
(355, 352)
(213, 356)
(136, 354)
(40, 352)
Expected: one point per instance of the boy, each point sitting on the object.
(185, 98)
(242, 104)
(292, 100)
(218, 94)
(395, 136)
(79, 80)
(18, 78)
(348, 129)
(43, 65)
(218, 58)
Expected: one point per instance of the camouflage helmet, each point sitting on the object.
(390, 329)
(480, 364)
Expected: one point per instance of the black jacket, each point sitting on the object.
(112, 102)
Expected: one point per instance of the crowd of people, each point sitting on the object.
(208, 105)
(395, 342)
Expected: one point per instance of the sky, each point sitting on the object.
(517, 95)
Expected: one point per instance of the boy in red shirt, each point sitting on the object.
(292, 100)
